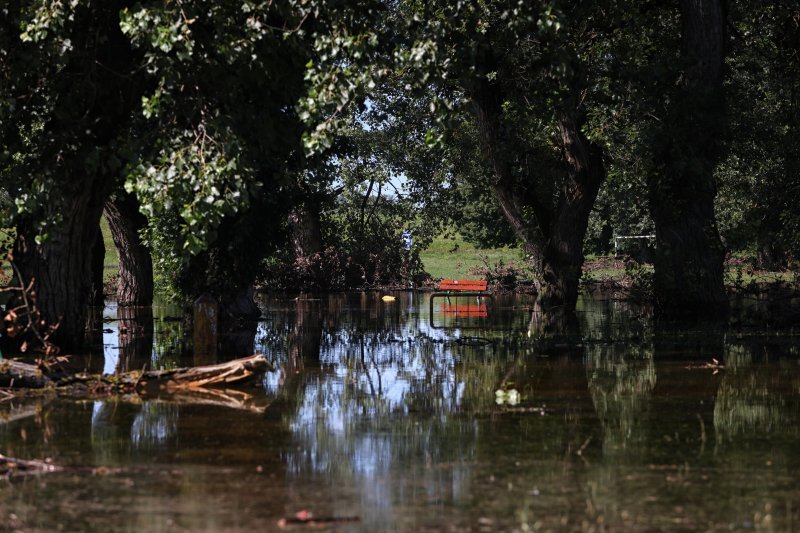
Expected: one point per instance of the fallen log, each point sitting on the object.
(21, 375)
(10, 467)
(204, 376)
(18, 375)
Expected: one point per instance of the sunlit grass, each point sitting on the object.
(110, 263)
(453, 258)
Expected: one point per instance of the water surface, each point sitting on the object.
(385, 416)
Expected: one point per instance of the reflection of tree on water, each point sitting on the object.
(755, 400)
(136, 332)
(621, 381)
(155, 426)
(388, 411)
(169, 344)
(378, 401)
(611, 320)
(121, 428)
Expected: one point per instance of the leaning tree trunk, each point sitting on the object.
(689, 251)
(61, 266)
(135, 281)
(497, 152)
(553, 241)
(563, 255)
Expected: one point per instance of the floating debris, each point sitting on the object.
(509, 397)
(714, 365)
(307, 519)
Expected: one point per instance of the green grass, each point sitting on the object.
(110, 263)
(452, 258)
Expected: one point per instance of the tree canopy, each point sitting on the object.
(294, 140)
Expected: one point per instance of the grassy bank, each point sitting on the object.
(453, 258)
(110, 263)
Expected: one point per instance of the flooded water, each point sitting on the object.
(382, 417)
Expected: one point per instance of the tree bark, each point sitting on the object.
(62, 265)
(563, 254)
(135, 281)
(488, 103)
(553, 241)
(690, 253)
(94, 319)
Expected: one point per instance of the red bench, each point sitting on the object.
(456, 288)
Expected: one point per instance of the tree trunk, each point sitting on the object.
(93, 96)
(488, 103)
(690, 254)
(135, 281)
(563, 254)
(306, 229)
(62, 265)
(94, 320)
(553, 242)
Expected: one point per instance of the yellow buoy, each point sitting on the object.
(388, 298)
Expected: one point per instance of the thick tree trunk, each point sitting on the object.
(135, 281)
(62, 265)
(690, 254)
(563, 255)
(494, 144)
(554, 240)
(97, 90)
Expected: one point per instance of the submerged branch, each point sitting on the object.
(15, 374)
(10, 467)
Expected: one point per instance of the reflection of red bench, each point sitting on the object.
(472, 285)
(478, 310)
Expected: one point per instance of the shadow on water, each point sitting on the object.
(381, 412)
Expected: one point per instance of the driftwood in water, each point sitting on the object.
(14, 374)
(10, 467)
(22, 375)
(204, 376)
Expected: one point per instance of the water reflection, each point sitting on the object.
(136, 338)
(376, 411)
(621, 381)
(756, 398)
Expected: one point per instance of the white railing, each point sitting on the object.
(630, 237)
